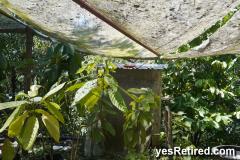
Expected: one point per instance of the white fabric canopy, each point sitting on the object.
(162, 25)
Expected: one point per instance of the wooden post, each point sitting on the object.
(28, 55)
(157, 116)
(27, 77)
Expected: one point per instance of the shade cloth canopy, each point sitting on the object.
(162, 25)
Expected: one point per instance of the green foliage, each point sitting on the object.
(16, 126)
(26, 135)
(202, 93)
(7, 150)
(139, 118)
(52, 125)
(30, 133)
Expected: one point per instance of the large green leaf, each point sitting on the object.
(135, 140)
(117, 100)
(30, 133)
(19, 137)
(22, 95)
(13, 116)
(58, 50)
(143, 120)
(52, 125)
(85, 89)
(8, 150)
(128, 136)
(16, 126)
(49, 53)
(73, 67)
(5, 81)
(11, 104)
(53, 75)
(51, 107)
(76, 86)
(112, 82)
(97, 135)
(143, 135)
(70, 49)
(136, 91)
(135, 98)
(51, 92)
(91, 98)
(108, 127)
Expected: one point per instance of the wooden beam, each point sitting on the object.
(13, 30)
(23, 31)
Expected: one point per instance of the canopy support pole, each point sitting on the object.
(28, 55)
(13, 30)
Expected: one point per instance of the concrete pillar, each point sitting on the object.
(134, 78)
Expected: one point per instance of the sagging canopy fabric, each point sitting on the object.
(163, 25)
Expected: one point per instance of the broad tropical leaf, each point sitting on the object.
(143, 120)
(13, 116)
(91, 98)
(128, 136)
(54, 90)
(109, 111)
(135, 98)
(70, 49)
(30, 133)
(5, 81)
(35, 87)
(8, 150)
(16, 126)
(11, 104)
(53, 75)
(136, 91)
(85, 89)
(51, 107)
(143, 135)
(108, 127)
(22, 95)
(52, 125)
(32, 93)
(76, 86)
(117, 100)
(19, 137)
(58, 50)
(97, 135)
(112, 82)
(134, 142)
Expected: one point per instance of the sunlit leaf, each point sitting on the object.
(16, 126)
(52, 125)
(85, 89)
(30, 133)
(11, 104)
(53, 91)
(117, 100)
(22, 95)
(53, 108)
(13, 116)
